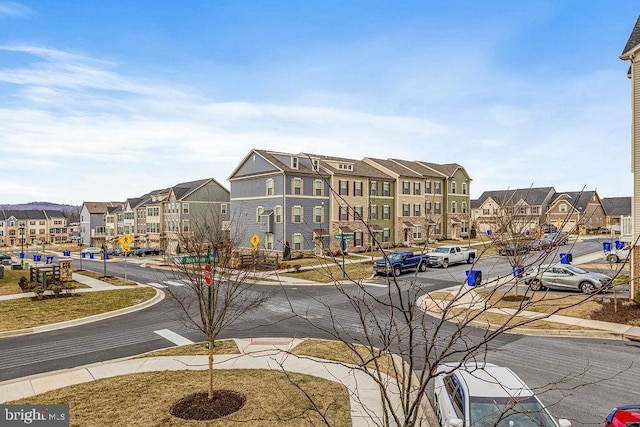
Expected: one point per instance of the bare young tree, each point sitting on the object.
(216, 293)
(395, 339)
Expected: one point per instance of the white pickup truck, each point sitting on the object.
(444, 256)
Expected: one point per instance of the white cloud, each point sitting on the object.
(14, 10)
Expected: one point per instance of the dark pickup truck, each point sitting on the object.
(399, 262)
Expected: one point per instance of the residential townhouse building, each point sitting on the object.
(409, 201)
(158, 218)
(309, 199)
(283, 199)
(92, 222)
(361, 203)
(514, 211)
(577, 212)
(630, 53)
(616, 209)
(32, 227)
(457, 200)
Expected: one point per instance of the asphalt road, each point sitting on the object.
(581, 379)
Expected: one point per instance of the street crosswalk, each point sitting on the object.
(166, 283)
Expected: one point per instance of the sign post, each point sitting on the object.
(343, 247)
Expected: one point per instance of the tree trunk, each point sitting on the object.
(210, 369)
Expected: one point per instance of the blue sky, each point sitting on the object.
(109, 100)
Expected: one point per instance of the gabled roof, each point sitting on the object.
(420, 168)
(270, 156)
(633, 43)
(395, 168)
(23, 214)
(360, 168)
(448, 169)
(183, 189)
(578, 199)
(617, 206)
(53, 214)
(99, 207)
(531, 196)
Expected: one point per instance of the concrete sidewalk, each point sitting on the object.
(364, 393)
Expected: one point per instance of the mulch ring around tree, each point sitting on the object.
(627, 312)
(198, 406)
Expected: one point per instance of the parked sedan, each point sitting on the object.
(511, 249)
(147, 252)
(567, 277)
(624, 416)
(557, 239)
(4, 257)
(539, 245)
(487, 395)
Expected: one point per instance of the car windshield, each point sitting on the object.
(575, 270)
(441, 250)
(505, 412)
(394, 256)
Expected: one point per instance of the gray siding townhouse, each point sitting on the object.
(282, 198)
(92, 221)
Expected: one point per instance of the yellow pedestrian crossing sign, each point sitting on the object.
(125, 241)
(255, 241)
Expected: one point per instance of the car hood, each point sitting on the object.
(598, 276)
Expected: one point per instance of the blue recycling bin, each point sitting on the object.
(517, 271)
(49, 259)
(566, 258)
(619, 245)
(106, 256)
(90, 255)
(606, 246)
(474, 277)
(83, 254)
(37, 258)
(66, 253)
(21, 255)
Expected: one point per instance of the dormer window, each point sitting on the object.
(316, 164)
(345, 166)
(294, 162)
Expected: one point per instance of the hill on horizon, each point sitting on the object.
(39, 206)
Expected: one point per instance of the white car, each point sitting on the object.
(484, 395)
(91, 250)
(617, 255)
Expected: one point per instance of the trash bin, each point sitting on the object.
(66, 253)
(106, 256)
(1, 271)
(606, 246)
(566, 258)
(619, 245)
(517, 271)
(90, 255)
(474, 277)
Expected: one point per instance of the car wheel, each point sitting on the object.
(397, 271)
(470, 259)
(587, 287)
(535, 285)
(445, 263)
(613, 258)
(422, 267)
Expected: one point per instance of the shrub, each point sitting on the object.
(69, 287)
(57, 290)
(23, 283)
(39, 291)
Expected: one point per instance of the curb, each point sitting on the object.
(159, 296)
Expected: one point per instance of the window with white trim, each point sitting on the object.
(406, 209)
(318, 214)
(259, 211)
(297, 242)
(343, 188)
(454, 207)
(373, 211)
(357, 212)
(296, 214)
(269, 187)
(268, 241)
(416, 209)
(406, 187)
(386, 235)
(357, 238)
(417, 232)
(277, 213)
(297, 186)
(294, 162)
(453, 187)
(318, 187)
(386, 212)
(374, 188)
(464, 188)
(386, 189)
(357, 188)
(344, 213)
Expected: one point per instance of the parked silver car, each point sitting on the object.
(567, 277)
(487, 395)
